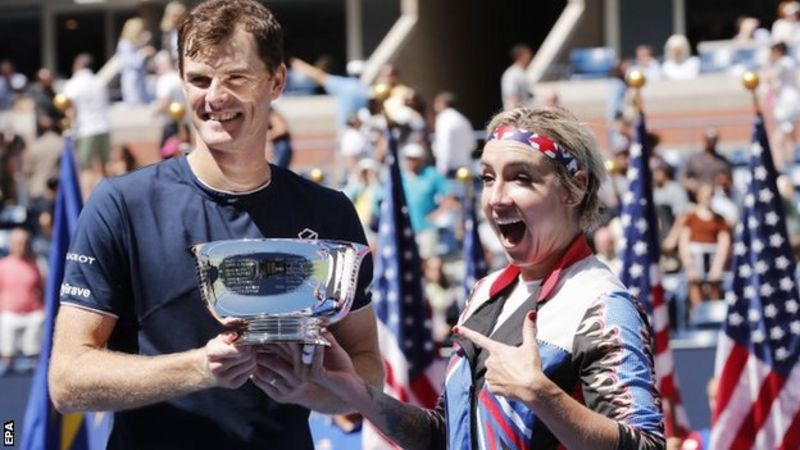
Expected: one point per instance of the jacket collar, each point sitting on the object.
(578, 250)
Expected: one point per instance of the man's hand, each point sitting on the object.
(228, 364)
(513, 372)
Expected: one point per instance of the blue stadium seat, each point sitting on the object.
(721, 59)
(708, 315)
(591, 62)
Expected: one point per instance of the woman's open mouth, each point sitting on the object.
(513, 230)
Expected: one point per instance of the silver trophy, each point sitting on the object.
(279, 290)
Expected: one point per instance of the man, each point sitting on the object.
(132, 335)
(514, 83)
(703, 167)
(168, 90)
(351, 94)
(428, 197)
(21, 314)
(42, 93)
(89, 112)
(454, 140)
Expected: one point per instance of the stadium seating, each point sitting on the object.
(591, 62)
(708, 315)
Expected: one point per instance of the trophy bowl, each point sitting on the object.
(279, 290)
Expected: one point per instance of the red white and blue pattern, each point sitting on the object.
(758, 352)
(545, 145)
(404, 318)
(593, 343)
(642, 275)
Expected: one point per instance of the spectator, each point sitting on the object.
(174, 13)
(605, 248)
(786, 27)
(781, 78)
(704, 247)
(351, 94)
(42, 93)
(169, 90)
(280, 140)
(41, 164)
(669, 197)
(679, 64)
(21, 308)
(133, 52)
(12, 149)
(749, 31)
(91, 126)
(454, 138)
(647, 62)
(702, 167)
(440, 295)
(11, 82)
(427, 194)
(364, 190)
(514, 83)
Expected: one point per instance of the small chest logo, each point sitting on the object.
(309, 234)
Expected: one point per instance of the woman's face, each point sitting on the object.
(526, 205)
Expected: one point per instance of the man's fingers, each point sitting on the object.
(476, 338)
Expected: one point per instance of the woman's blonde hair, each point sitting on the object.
(134, 31)
(677, 42)
(566, 130)
(173, 12)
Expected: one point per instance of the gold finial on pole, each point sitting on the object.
(316, 175)
(177, 111)
(750, 81)
(463, 174)
(635, 79)
(61, 102)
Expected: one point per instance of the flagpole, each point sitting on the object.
(635, 79)
(750, 81)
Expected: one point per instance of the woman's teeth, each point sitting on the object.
(506, 221)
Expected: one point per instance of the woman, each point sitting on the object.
(679, 64)
(704, 247)
(568, 361)
(133, 52)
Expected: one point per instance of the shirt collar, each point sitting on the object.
(578, 250)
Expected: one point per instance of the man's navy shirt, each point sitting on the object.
(131, 259)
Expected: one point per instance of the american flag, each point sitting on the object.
(640, 272)
(474, 259)
(758, 396)
(404, 318)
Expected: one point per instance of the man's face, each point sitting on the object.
(229, 91)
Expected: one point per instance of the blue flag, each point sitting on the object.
(44, 428)
(474, 258)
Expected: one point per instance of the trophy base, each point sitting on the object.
(276, 330)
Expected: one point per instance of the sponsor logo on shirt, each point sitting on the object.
(82, 259)
(308, 233)
(68, 289)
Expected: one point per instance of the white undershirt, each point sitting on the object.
(521, 292)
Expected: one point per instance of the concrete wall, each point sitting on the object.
(463, 47)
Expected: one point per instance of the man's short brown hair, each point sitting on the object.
(212, 22)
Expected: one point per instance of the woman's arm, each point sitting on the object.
(411, 427)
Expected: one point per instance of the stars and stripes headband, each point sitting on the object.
(544, 145)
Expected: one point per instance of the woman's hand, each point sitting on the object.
(513, 372)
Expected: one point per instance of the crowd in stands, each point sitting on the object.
(696, 192)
